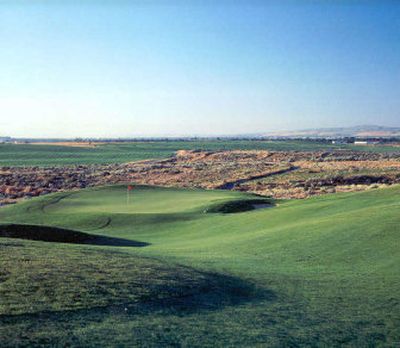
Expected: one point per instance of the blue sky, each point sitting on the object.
(135, 68)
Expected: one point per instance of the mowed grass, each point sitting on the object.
(53, 155)
(316, 272)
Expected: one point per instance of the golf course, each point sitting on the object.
(188, 267)
(199, 174)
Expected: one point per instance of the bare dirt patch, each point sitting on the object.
(70, 144)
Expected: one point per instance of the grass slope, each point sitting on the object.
(50, 155)
(319, 272)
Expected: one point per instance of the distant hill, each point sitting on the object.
(356, 131)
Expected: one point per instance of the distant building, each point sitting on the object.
(365, 142)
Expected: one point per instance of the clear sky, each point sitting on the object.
(145, 68)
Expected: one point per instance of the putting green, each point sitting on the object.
(140, 200)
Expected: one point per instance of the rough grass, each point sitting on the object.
(317, 272)
(37, 279)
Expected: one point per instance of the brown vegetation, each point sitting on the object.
(276, 174)
(87, 144)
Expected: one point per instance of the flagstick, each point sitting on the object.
(127, 196)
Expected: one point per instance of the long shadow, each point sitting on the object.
(112, 241)
(214, 292)
(60, 235)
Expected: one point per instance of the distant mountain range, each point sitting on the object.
(364, 131)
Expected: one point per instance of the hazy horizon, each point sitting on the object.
(129, 69)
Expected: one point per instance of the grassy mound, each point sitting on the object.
(35, 279)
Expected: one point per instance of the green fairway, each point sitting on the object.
(52, 155)
(316, 272)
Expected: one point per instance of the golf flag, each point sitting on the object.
(129, 189)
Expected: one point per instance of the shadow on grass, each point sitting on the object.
(211, 293)
(240, 206)
(194, 293)
(214, 292)
(60, 235)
